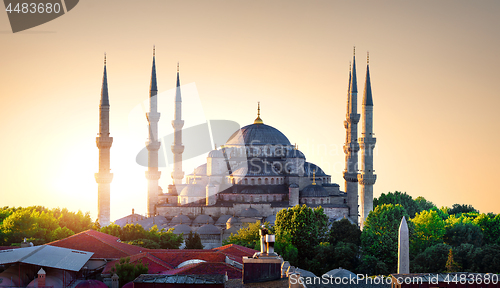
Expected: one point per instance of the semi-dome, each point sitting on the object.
(294, 153)
(258, 134)
(223, 219)
(181, 228)
(250, 212)
(193, 190)
(208, 229)
(203, 219)
(309, 168)
(314, 191)
(180, 219)
(200, 170)
(293, 185)
(233, 220)
(215, 154)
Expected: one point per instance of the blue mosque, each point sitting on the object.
(255, 174)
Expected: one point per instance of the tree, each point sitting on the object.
(247, 236)
(371, 265)
(19, 225)
(405, 200)
(132, 232)
(423, 204)
(344, 231)
(464, 255)
(305, 227)
(127, 271)
(169, 240)
(461, 208)
(487, 259)
(463, 232)
(432, 260)
(61, 233)
(146, 243)
(112, 229)
(451, 265)
(380, 233)
(490, 226)
(429, 231)
(193, 241)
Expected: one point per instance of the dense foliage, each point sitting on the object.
(127, 271)
(40, 225)
(193, 241)
(152, 239)
(441, 239)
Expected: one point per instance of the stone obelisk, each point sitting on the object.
(403, 248)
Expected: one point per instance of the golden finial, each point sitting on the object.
(368, 57)
(177, 66)
(154, 51)
(104, 58)
(314, 177)
(258, 120)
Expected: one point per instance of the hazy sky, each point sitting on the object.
(434, 72)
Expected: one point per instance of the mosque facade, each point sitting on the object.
(255, 174)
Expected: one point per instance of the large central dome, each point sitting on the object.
(258, 134)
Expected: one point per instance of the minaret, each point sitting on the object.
(103, 141)
(367, 142)
(177, 123)
(153, 145)
(351, 146)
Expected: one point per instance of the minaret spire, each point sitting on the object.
(351, 146)
(104, 142)
(177, 124)
(258, 120)
(367, 142)
(153, 145)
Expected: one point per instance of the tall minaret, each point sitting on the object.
(153, 145)
(103, 141)
(367, 142)
(177, 123)
(351, 146)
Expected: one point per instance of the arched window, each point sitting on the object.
(232, 181)
(266, 181)
(272, 180)
(260, 181)
(253, 181)
(321, 200)
(313, 201)
(246, 181)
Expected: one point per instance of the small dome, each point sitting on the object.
(208, 229)
(193, 190)
(293, 185)
(91, 284)
(203, 219)
(201, 170)
(223, 219)
(314, 191)
(271, 219)
(215, 154)
(181, 228)
(180, 219)
(233, 220)
(250, 212)
(295, 154)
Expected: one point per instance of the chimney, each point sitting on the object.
(114, 281)
(41, 278)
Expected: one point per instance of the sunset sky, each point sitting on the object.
(434, 74)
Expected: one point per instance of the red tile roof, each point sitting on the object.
(103, 246)
(176, 257)
(154, 264)
(207, 268)
(236, 252)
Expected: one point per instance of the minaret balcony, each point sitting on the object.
(350, 176)
(367, 179)
(153, 116)
(351, 147)
(177, 124)
(177, 149)
(103, 177)
(153, 145)
(353, 118)
(104, 142)
(367, 140)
